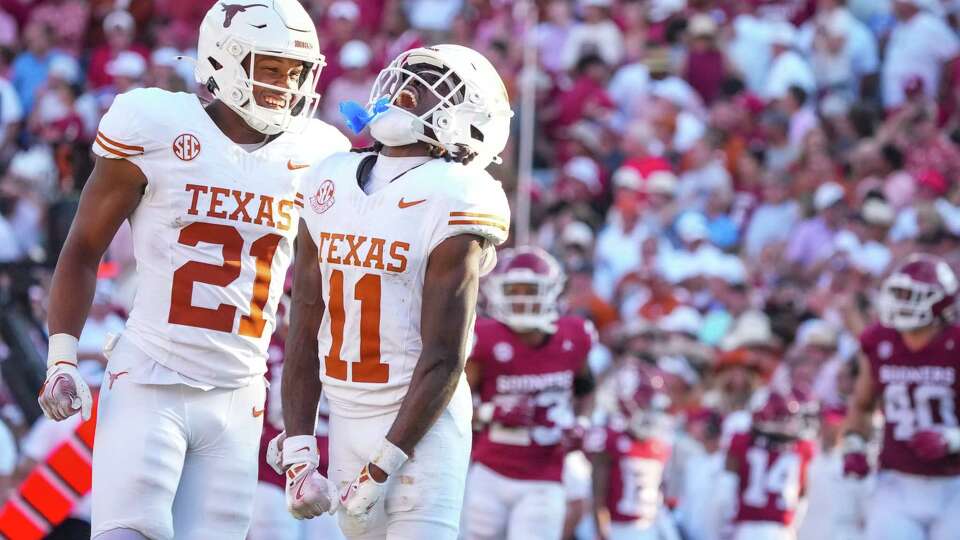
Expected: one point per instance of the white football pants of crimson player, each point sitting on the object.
(662, 528)
(910, 507)
(498, 507)
(424, 497)
(165, 450)
(763, 531)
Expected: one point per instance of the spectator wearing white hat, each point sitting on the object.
(119, 29)
(127, 71)
(163, 70)
(921, 44)
(787, 67)
(812, 240)
(596, 33)
(859, 42)
(353, 85)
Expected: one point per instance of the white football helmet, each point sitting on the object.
(232, 32)
(920, 291)
(523, 312)
(473, 109)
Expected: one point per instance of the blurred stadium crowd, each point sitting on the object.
(725, 182)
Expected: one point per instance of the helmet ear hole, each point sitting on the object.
(475, 133)
(217, 66)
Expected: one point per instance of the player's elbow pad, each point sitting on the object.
(584, 384)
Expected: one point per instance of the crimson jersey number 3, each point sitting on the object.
(221, 318)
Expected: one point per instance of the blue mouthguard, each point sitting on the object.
(357, 117)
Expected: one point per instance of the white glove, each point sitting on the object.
(64, 392)
(359, 498)
(274, 456)
(309, 493)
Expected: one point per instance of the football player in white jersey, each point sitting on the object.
(402, 233)
(212, 194)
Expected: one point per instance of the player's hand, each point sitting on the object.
(574, 436)
(934, 444)
(362, 494)
(309, 493)
(855, 462)
(64, 392)
(517, 413)
(274, 453)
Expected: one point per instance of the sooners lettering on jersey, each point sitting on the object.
(373, 251)
(919, 390)
(213, 234)
(636, 473)
(510, 368)
(772, 477)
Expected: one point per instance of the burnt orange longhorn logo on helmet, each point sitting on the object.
(232, 9)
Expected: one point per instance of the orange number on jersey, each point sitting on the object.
(182, 310)
(368, 369)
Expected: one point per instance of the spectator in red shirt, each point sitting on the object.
(119, 28)
(705, 67)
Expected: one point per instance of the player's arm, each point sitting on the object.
(583, 386)
(300, 394)
(449, 300)
(601, 464)
(858, 425)
(294, 452)
(449, 303)
(109, 197)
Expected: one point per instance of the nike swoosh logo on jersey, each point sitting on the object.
(405, 204)
(257, 413)
(294, 166)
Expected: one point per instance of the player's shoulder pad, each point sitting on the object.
(873, 335)
(473, 203)
(138, 122)
(581, 330)
(320, 140)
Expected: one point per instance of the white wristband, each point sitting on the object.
(300, 449)
(389, 458)
(62, 348)
(952, 436)
(854, 442)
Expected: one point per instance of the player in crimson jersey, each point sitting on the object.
(910, 365)
(529, 374)
(628, 457)
(770, 464)
(212, 193)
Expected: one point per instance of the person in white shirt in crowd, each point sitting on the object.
(705, 176)
(11, 113)
(552, 33)
(773, 221)
(749, 50)
(595, 33)
(920, 45)
(787, 66)
(812, 240)
(859, 43)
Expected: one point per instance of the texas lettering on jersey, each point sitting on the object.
(363, 252)
(243, 206)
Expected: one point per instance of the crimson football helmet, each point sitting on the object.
(920, 291)
(644, 403)
(524, 289)
(778, 415)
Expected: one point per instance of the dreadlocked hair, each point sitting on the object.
(464, 154)
(376, 147)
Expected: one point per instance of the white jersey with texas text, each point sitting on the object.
(213, 233)
(373, 252)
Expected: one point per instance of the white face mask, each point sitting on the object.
(394, 127)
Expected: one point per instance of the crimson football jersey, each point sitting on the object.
(636, 473)
(510, 368)
(919, 391)
(772, 477)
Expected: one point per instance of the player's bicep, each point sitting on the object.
(307, 293)
(450, 295)
(110, 196)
